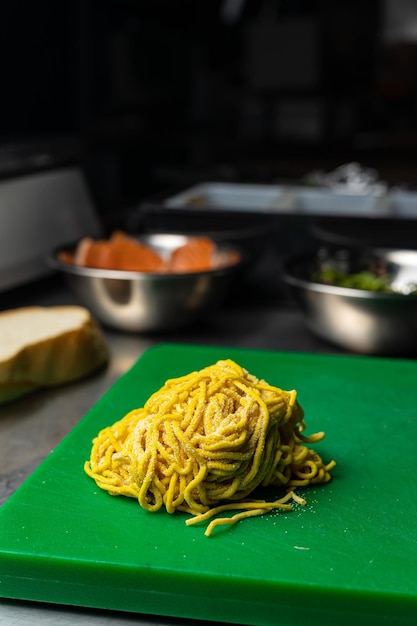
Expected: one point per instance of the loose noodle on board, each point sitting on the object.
(204, 441)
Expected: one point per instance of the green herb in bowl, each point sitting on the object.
(365, 279)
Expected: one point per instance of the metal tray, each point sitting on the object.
(279, 200)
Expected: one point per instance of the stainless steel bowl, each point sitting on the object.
(145, 301)
(361, 321)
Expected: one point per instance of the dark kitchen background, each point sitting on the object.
(150, 95)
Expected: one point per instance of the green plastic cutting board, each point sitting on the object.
(348, 557)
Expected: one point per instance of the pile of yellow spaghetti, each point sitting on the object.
(204, 442)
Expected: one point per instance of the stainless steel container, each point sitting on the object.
(361, 321)
(145, 301)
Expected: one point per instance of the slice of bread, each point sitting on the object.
(47, 346)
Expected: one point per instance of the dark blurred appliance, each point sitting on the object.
(38, 212)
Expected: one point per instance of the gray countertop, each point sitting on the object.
(31, 427)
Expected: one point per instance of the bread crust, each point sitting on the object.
(62, 357)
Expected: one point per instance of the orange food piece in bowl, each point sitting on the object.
(101, 255)
(90, 253)
(82, 250)
(130, 254)
(120, 252)
(194, 256)
(65, 257)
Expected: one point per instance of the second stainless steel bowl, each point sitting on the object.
(362, 321)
